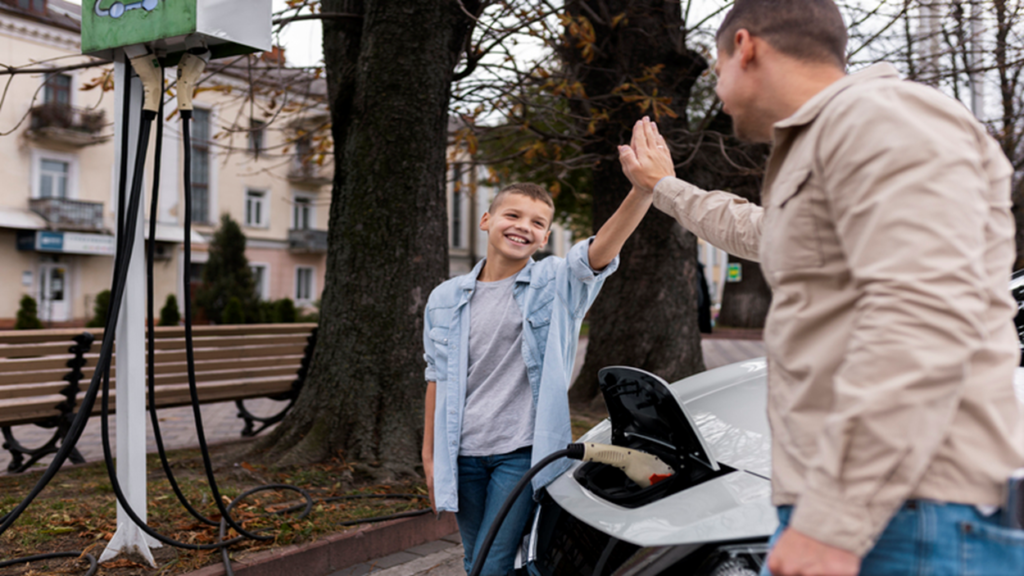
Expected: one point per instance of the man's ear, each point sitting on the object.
(744, 43)
(485, 221)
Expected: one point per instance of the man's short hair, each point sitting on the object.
(525, 189)
(811, 30)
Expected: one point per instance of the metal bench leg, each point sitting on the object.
(18, 452)
(251, 419)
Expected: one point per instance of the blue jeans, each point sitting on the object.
(938, 539)
(484, 484)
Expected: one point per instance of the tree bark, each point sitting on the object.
(389, 81)
(745, 303)
(646, 315)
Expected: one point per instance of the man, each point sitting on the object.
(887, 239)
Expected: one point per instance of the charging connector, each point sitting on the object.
(642, 468)
(190, 68)
(151, 73)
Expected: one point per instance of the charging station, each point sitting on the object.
(148, 35)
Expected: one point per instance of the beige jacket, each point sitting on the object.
(888, 243)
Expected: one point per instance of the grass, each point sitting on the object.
(77, 511)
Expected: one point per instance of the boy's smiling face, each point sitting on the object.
(518, 227)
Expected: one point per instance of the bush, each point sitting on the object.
(233, 313)
(169, 314)
(100, 310)
(284, 311)
(226, 273)
(28, 315)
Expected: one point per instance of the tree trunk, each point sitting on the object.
(745, 303)
(389, 78)
(646, 315)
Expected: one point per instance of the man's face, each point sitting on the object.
(518, 227)
(737, 89)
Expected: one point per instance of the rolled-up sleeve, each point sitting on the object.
(430, 374)
(723, 219)
(906, 187)
(583, 282)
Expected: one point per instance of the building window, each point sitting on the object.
(303, 212)
(257, 133)
(304, 284)
(57, 90)
(260, 282)
(201, 166)
(35, 6)
(457, 206)
(256, 209)
(53, 178)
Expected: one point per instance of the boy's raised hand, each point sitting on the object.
(647, 159)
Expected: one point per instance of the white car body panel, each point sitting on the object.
(728, 405)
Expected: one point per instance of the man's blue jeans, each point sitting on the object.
(484, 484)
(938, 539)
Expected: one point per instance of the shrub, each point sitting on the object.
(169, 314)
(284, 311)
(226, 273)
(233, 313)
(28, 315)
(100, 310)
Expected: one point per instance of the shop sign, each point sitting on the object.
(66, 242)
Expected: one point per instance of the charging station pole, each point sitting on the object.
(171, 31)
(131, 348)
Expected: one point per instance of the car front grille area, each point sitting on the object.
(565, 546)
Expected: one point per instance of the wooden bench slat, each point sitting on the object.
(179, 395)
(232, 341)
(35, 350)
(66, 334)
(20, 411)
(27, 391)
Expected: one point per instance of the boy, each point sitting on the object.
(500, 344)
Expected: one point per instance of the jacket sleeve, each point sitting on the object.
(581, 283)
(430, 374)
(723, 219)
(904, 177)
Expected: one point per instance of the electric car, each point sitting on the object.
(712, 518)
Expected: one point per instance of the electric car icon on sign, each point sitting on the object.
(713, 517)
(117, 9)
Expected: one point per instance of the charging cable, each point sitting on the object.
(642, 468)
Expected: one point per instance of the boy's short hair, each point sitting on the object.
(525, 189)
(810, 30)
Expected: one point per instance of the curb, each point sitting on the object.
(339, 551)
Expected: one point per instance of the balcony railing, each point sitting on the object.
(72, 126)
(308, 241)
(66, 214)
(309, 172)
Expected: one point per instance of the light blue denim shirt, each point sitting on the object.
(554, 295)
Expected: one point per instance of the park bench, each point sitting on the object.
(44, 375)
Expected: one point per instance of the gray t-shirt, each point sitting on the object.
(498, 417)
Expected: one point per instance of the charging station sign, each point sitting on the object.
(224, 27)
(108, 24)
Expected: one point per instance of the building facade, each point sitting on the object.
(260, 160)
(58, 204)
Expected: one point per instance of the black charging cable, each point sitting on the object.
(574, 451)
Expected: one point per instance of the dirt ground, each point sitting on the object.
(77, 511)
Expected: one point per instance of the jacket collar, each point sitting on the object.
(468, 282)
(810, 110)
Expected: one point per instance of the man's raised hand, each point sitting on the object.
(647, 159)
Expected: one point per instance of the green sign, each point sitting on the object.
(108, 24)
(734, 273)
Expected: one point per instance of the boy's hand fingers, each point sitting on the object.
(649, 134)
(628, 159)
(640, 138)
